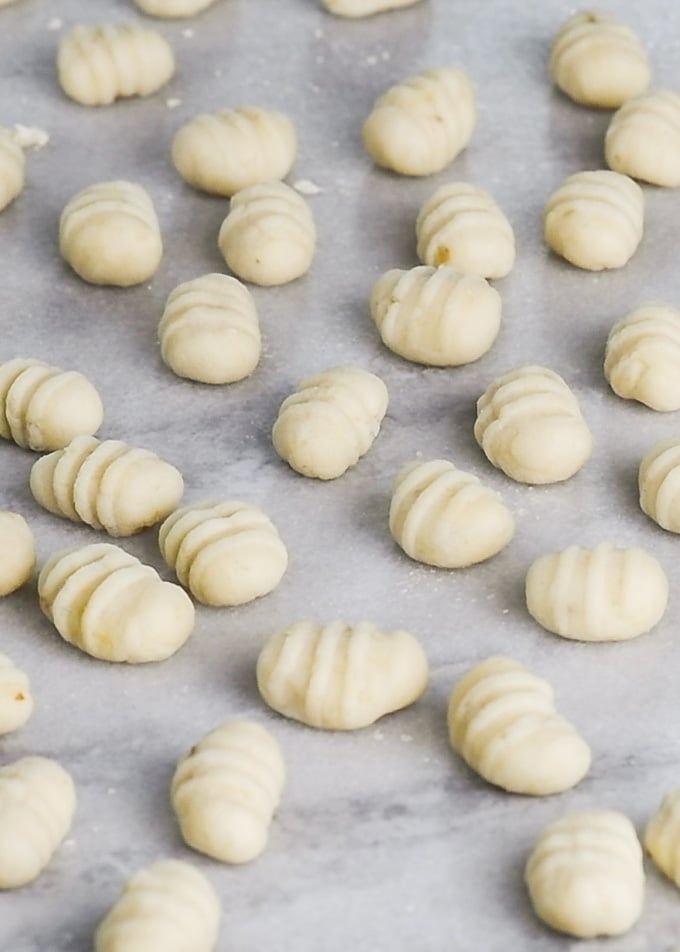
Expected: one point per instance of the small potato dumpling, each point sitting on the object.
(659, 484)
(16, 700)
(173, 9)
(642, 358)
(12, 168)
(363, 8)
(662, 837)
(17, 552)
(643, 138)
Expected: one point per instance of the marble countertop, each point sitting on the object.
(384, 839)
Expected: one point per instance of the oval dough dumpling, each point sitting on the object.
(226, 790)
(662, 837)
(443, 516)
(37, 805)
(225, 553)
(503, 722)
(109, 234)
(363, 8)
(642, 358)
(269, 235)
(600, 594)
(17, 552)
(16, 700)
(597, 60)
(330, 421)
(111, 606)
(461, 225)
(643, 138)
(98, 64)
(12, 168)
(585, 875)
(173, 9)
(595, 220)
(436, 316)
(530, 425)
(339, 676)
(659, 484)
(225, 152)
(168, 906)
(420, 125)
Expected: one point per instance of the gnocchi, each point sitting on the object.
(363, 8)
(16, 700)
(662, 837)
(643, 138)
(172, 9)
(12, 168)
(17, 552)
(659, 484)
(642, 357)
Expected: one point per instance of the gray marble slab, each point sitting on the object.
(384, 840)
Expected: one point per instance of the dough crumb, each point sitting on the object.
(371, 60)
(30, 137)
(173, 103)
(307, 187)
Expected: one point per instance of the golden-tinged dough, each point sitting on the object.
(17, 552)
(659, 484)
(16, 700)
(12, 168)
(662, 837)
(642, 358)
(173, 9)
(363, 8)
(643, 138)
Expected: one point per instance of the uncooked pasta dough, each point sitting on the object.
(16, 700)
(17, 552)
(12, 168)
(643, 138)
(642, 357)
(659, 484)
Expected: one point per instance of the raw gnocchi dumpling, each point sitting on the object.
(44, 407)
(595, 220)
(226, 790)
(446, 517)
(503, 723)
(600, 594)
(111, 606)
(363, 8)
(12, 168)
(269, 235)
(597, 60)
(37, 804)
(530, 425)
(225, 152)
(436, 316)
(16, 700)
(225, 553)
(107, 485)
(643, 138)
(662, 837)
(659, 484)
(330, 421)
(209, 331)
(642, 358)
(172, 9)
(585, 875)
(339, 676)
(461, 225)
(17, 552)
(420, 125)
(168, 906)
(98, 64)
(109, 234)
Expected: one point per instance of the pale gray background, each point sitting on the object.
(384, 839)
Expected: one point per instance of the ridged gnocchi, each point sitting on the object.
(530, 425)
(462, 225)
(642, 357)
(662, 837)
(111, 606)
(172, 9)
(107, 485)
(600, 594)
(17, 552)
(210, 331)
(643, 138)
(339, 676)
(269, 235)
(585, 875)
(225, 152)
(12, 168)
(98, 64)
(226, 790)
(421, 124)
(443, 516)
(16, 700)
(330, 421)
(659, 484)
(436, 316)
(503, 722)
(109, 234)
(363, 8)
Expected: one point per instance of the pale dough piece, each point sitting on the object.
(585, 874)
(363, 8)
(225, 152)
(530, 425)
(168, 906)
(44, 407)
(107, 485)
(12, 168)
(109, 234)
(643, 138)
(339, 676)
(443, 516)
(461, 225)
(37, 804)
(111, 606)
(659, 484)
(269, 235)
(436, 316)
(6, 3)
(597, 60)
(226, 790)
(662, 837)
(420, 125)
(503, 723)
(209, 330)
(98, 64)
(330, 421)
(595, 220)
(642, 359)
(600, 594)
(173, 9)
(225, 553)
(17, 552)
(16, 700)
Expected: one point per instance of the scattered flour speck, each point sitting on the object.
(385, 55)
(306, 187)
(55, 24)
(406, 738)
(173, 103)
(371, 60)
(378, 735)
(188, 33)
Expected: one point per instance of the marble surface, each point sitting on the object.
(384, 840)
